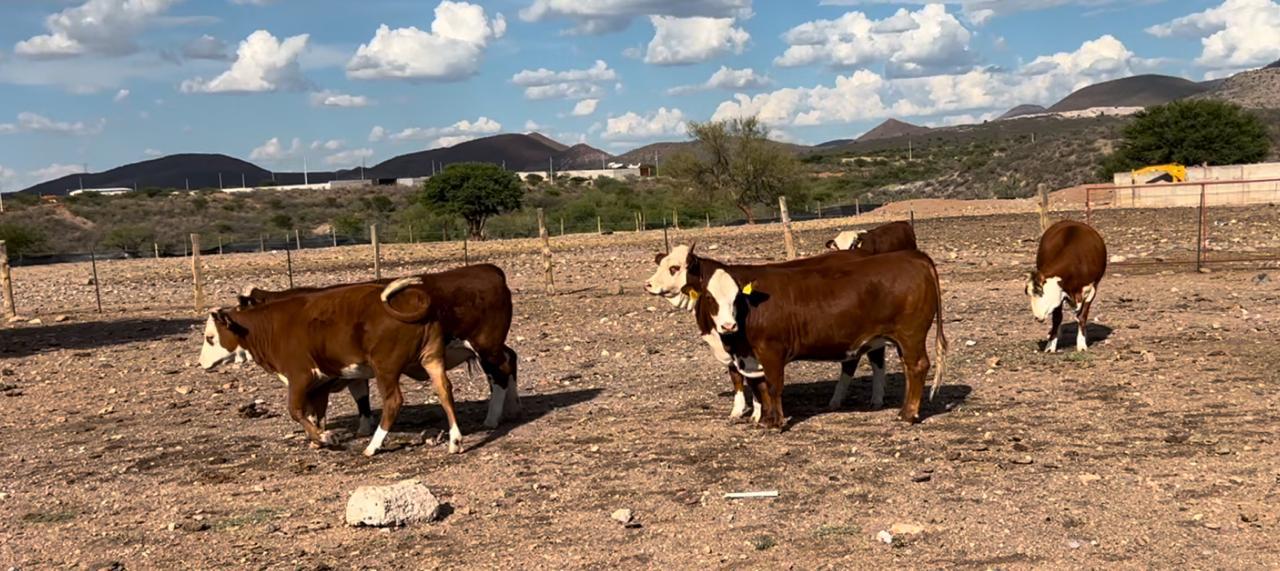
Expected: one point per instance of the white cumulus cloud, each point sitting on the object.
(452, 50)
(729, 79)
(632, 126)
(543, 83)
(103, 27)
(274, 150)
(206, 47)
(924, 42)
(585, 107)
(864, 94)
(121, 95)
(603, 16)
(330, 145)
(335, 99)
(348, 158)
(1234, 35)
(35, 123)
(263, 63)
(459, 132)
(682, 41)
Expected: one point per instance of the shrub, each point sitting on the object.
(1190, 133)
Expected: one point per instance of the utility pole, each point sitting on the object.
(242, 184)
(655, 164)
(219, 181)
(551, 170)
(305, 176)
(362, 168)
(187, 182)
(909, 150)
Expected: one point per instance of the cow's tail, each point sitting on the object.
(396, 287)
(940, 340)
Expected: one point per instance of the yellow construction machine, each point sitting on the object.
(1172, 172)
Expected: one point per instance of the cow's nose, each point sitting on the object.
(729, 327)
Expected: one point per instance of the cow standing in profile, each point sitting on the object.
(782, 315)
(1069, 264)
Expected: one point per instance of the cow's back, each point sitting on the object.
(470, 300)
(1074, 252)
(891, 237)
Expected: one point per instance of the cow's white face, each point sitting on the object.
(1045, 294)
(723, 291)
(846, 240)
(215, 351)
(671, 277)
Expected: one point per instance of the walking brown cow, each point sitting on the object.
(1069, 265)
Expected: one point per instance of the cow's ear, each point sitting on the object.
(831, 244)
(690, 290)
(245, 300)
(657, 259)
(224, 319)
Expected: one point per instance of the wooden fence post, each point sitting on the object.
(562, 226)
(157, 249)
(97, 289)
(262, 243)
(377, 252)
(288, 265)
(219, 244)
(786, 228)
(666, 242)
(1201, 234)
(546, 253)
(333, 235)
(637, 221)
(297, 238)
(913, 220)
(599, 226)
(857, 207)
(819, 210)
(196, 273)
(675, 218)
(6, 282)
(708, 220)
(466, 249)
(1043, 190)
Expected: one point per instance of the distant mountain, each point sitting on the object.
(664, 151)
(1022, 110)
(1136, 91)
(892, 128)
(582, 156)
(1254, 89)
(548, 141)
(1273, 65)
(174, 171)
(833, 143)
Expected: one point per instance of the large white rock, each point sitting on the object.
(404, 503)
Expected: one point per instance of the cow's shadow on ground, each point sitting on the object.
(26, 341)
(429, 418)
(802, 401)
(1093, 333)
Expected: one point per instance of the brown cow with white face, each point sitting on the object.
(781, 315)
(1069, 264)
(891, 237)
(671, 280)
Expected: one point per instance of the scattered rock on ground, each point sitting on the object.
(404, 503)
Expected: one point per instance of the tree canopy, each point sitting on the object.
(475, 192)
(1190, 133)
(736, 160)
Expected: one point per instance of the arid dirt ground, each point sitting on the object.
(1156, 449)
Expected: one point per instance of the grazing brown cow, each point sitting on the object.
(882, 239)
(1069, 264)
(461, 285)
(781, 315)
(673, 275)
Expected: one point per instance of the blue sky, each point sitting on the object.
(107, 82)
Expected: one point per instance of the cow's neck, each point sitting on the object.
(261, 330)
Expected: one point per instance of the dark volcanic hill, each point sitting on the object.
(1273, 65)
(582, 156)
(1136, 91)
(1022, 110)
(517, 152)
(548, 141)
(174, 171)
(891, 128)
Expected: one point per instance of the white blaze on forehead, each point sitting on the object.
(847, 240)
(667, 284)
(722, 288)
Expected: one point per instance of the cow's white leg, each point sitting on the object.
(376, 442)
(455, 439)
(497, 398)
(739, 404)
(756, 410)
(1081, 344)
(1054, 331)
(1052, 346)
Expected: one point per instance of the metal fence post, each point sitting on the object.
(549, 276)
(196, 273)
(97, 289)
(1200, 232)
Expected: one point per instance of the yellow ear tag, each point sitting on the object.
(747, 289)
(693, 295)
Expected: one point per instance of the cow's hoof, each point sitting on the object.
(329, 439)
(369, 452)
(455, 447)
(366, 427)
(490, 423)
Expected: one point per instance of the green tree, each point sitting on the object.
(475, 192)
(130, 238)
(20, 239)
(735, 159)
(534, 179)
(1191, 133)
(282, 221)
(348, 224)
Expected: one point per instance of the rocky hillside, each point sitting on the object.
(1136, 91)
(1256, 89)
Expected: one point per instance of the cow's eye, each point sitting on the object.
(674, 270)
(208, 339)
